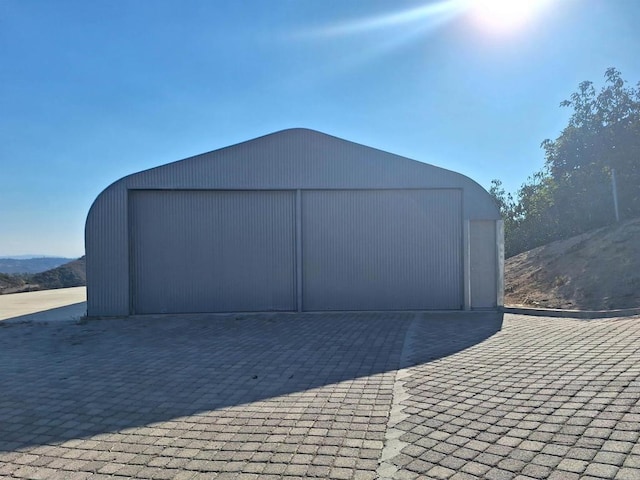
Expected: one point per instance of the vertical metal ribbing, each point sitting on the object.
(298, 221)
(483, 262)
(213, 251)
(382, 249)
(466, 265)
(131, 251)
(106, 250)
(285, 161)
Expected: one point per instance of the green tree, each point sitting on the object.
(505, 203)
(572, 193)
(603, 134)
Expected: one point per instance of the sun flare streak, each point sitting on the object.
(494, 16)
(436, 13)
(498, 16)
(396, 29)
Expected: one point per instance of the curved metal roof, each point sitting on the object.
(300, 158)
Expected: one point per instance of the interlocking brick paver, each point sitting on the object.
(475, 468)
(499, 474)
(317, 396)
(627, 474)
(601, 470)
(544, 387)
(158, 398)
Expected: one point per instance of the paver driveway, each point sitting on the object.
(330, 396)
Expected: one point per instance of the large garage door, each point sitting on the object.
(382, 249)
(212, 251)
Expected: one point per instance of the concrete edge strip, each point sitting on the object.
(584, 314)
(43, 318)
(393, 445)
(38, 321)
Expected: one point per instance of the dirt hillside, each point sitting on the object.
(593, 271)
(72, 274)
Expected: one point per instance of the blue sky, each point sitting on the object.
(92, 91)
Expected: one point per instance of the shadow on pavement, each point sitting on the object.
(73, 312)
(66, 381)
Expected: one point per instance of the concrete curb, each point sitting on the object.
(582, 314)
(420, 314)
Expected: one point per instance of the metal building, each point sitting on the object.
(293, 221)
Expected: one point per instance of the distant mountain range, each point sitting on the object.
(70, 274)
(27, 264)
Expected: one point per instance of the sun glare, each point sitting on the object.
(504, 15)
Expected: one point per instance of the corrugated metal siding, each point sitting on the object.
(107, 257)
(212, 251)
(484, 264)
(304, 159)
(382, 249)
(287, 160)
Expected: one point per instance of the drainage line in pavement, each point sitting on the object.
(393, 445)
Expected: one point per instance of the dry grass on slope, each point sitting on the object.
(597, 270)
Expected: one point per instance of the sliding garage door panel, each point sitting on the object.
(381, 249)
(212, 251)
